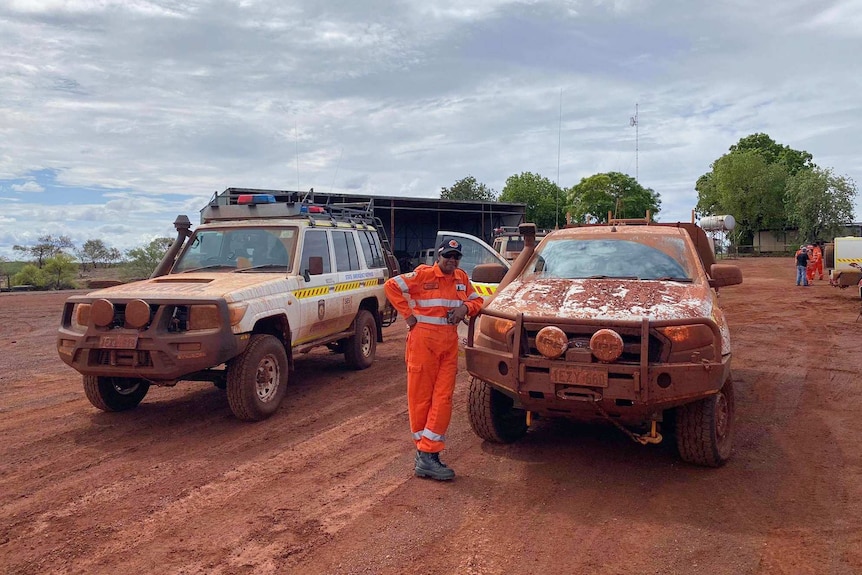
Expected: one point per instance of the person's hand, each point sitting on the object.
(411, 322)
(458, 314)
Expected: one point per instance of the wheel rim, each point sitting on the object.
(266, 383)
(365, 342)
(124, 389)
(722, 416)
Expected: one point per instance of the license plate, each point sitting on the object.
(119, 341)
(579, 376)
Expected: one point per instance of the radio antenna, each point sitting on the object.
(557, 191)
(633, 121)
(296, 145)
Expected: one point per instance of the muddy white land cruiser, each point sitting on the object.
(267, 275)
(607, 322)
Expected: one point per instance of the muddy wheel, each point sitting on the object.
(115, 393)
(492, 414)
(359, 349)
(704, 429)
(257, 379)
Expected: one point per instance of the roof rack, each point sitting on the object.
(645, 221)
(236, 204)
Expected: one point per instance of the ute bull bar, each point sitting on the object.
(639, 386)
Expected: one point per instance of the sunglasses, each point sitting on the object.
(451, 256)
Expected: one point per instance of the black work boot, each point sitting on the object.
(429, 465)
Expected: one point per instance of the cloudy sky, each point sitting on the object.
(117, 115)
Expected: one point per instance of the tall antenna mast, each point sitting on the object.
(296, 145)
(633, 121)
(557, 191)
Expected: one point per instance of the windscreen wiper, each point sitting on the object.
(209, 267)
(263, 266)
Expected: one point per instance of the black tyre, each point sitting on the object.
(492, 414)
(257, 379)
(704, 429)
(360, 348)
(115, 393)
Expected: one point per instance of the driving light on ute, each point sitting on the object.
(552, 342)
(102, 312)
(137, 313)
(606, 345)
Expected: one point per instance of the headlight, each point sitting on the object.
(688, 337)
(81, 316)
(496, 328)
(203, 317)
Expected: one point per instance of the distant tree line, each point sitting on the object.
(548, 205)
(49, 263)
(764, 185)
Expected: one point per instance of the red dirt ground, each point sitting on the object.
(326, 486)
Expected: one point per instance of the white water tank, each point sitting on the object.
(716, 223)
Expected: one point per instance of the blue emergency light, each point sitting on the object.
(252, 199)
(306, 209)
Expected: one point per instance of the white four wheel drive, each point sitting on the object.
(265, 276)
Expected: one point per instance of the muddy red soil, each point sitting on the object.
(178, 485)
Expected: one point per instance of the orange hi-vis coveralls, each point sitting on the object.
(432, 346)
(815, 265)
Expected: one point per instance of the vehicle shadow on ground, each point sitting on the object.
(598, 463)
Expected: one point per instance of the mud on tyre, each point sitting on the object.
(704, 428)
(359, 349)
(257, 378)
(493, 415)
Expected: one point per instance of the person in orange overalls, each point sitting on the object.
(815, 266)
(433, 300)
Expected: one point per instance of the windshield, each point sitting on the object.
(607, 258)
(230, 249)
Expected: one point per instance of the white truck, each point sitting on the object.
(267, 275)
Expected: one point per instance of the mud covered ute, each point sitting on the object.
(619, 321)
(163, 328)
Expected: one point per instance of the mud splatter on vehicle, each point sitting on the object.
(617, 322)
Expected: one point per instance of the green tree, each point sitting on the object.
(142, 261)
(775, 153)
(744, 185)
(59, 271)
(619, 194)
(819, 203)
(468, 189)
(95, 252)
(544, 199)
(5, 274)
(30, 275)
(46, 246)
(749, 182)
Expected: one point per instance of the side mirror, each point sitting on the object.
(724, 275)
(489, 273)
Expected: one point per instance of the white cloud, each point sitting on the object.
(127, 113)
(27, 187)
